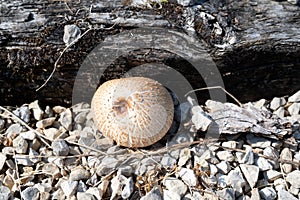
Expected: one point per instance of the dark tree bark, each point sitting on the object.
(264, 60)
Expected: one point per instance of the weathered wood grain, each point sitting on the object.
(263, 62)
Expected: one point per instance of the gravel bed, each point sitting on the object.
(57, 153)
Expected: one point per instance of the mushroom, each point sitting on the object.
(134, 111)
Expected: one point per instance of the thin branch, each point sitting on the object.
(13, 116)
(58, 59)
(215, 87)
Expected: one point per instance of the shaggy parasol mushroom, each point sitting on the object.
(134, 111)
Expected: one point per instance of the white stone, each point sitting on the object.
(201, 120)
(188, 176)
(295, 97)
(226, 193)
(277, 102)
(293, 178)
(226, 156)
(30, 193)
(36, 109)
(66, 119)
(128, 188)
(175, 185)
(170, 195)
(45, 122)
(268, 193)
(69, 187)
(4, 193)
(154, 194)
(2, 160)
(229, 144)
(71, 33)
(279, 184)
(28, 135)
(286, 154)
(20, 144)
(263, 164)
(280, 112)
(294, 109)
(246, 158)
(236, 180)
(222, 180)
(224, 167)
(251, 174)
(272, 175)
(285, 195)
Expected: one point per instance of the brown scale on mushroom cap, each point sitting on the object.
(134, 112)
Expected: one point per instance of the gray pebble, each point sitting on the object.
(154, 194)
(263, 164)
(182, 137)
(48, 112)
(236, 180)
(80, 117)
(251, 173)
(295, 97)
(285, 195)
(175, 185)
(246, 158)
(226, 193)
(33, 156)
(168, 161)
(66, 119)
(293, 178)
(268, 193)
(259, 142)
(272, 152)
(71, 33)
(4, 192)
(20, 144)
(201, 120)
(222, 180)
(60, 147)
(69, 187)
(2, 123)
(277, 102)
(13, 130)
(30, 193)
(79, 173)
(85, 196)
(107, 165)
(23, 113)
(36, 109)
(184, 110)
(45, 122)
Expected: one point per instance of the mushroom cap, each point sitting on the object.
(134, 111)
